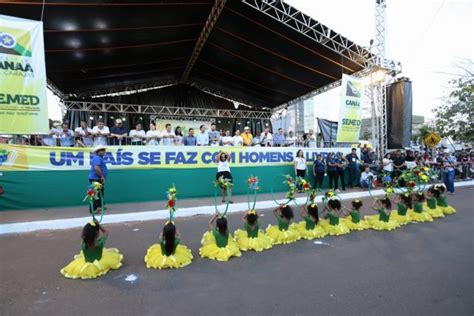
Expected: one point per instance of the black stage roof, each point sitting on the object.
(94, 46)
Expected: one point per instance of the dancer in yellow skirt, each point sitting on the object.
(430, 205)
(442, 201)
(252, 237)
(404, 203)
(331, 222)
(418, 213)
(218, 244)
(168, 253)
(383, 220)
(310, 227)
(283, 233)
(94, 260)
(354, 221)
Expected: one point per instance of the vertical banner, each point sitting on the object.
(328, 131)
(350, 114)
(23, 104)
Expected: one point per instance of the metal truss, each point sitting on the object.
(115, 91)
(160, 110)
(54, 89)
(222, 95)
(206, 31)
(379, 46)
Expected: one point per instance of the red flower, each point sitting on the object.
(306, 186)
(417, 172)
(90, 192)
(411, 184)
(170, 203)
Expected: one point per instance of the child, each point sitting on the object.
(354, 222)
(310, 227)
(383, 220)
(252, 237)
(417, 214)
(283, 233)
(218, 244)
(332, 224)
(442, 201)
(168, 253)
(430, 205)
(94, 259)
(404, 203)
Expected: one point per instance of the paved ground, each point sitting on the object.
(419, 269)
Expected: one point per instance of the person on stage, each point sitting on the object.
(98, 173)
(418, 213)
(178, 139)
(137, 135)
(237, 140)
(252, 237)
(94, 260)
(152, 135)
(354, 221)
(283, 233)
(247, 136)
(310, 227)
(218, 244)
(300, 167)
(382, 221)
(223, 170)
(168, 253)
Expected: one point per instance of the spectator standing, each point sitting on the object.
(227, 140)
(291, 139)
(100, 132)
(449, 166)
(214, 136)
(311, 138)
(51, 139)
(247, 137)
(118, 134)
(66, 136)
(352, 166)
(202, 137)
(300, 167)
(137, 135)
(167, 136)
(190, 139)
(237, 140)
(152, 135)
(319, 169)
(366, 178)
(85, 133)
(279, 139)
(266, 138)
(178, 139)
(332, 171)
(98, 173)
(341, 163)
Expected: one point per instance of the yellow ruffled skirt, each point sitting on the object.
(80, 269)
(401, 219)
(210, 250)
(434, 212)
(361, 225)
(279, 237)
(317, 232)
(155, 259)
(262, 242)
(420, 217)
(447, 210)
(377, 224)
(335, 230)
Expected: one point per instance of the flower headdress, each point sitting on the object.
(171, 203)
(253, 187)
(223, 183)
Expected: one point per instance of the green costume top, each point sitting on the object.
(383, 217)
(355, 216)
(442, 201)
(333, 219)
(282, 225)
(90, 255)
(418, 207)
(252, 233)
(310, 223)
(163, 243)
(402, 209)
(431, 202)
(221, 240)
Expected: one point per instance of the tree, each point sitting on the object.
(455, 118)
(420, 135)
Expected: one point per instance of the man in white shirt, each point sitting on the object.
(291, 139)
(50, 140)
(153, 136)
(311, 139)
(137, 135)
(237, 140)
(66, 136)
(227, 140)
(167, 137)
(266, 138)
(202, 138)
(85, 133)
(100, 132)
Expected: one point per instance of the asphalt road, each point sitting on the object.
(419, 269)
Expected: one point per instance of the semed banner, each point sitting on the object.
(350, 113)
(23, 104)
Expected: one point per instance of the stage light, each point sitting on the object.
(100, 116)
(141, 118)
(124, 119)
(219, 122)
(91, 118)
(112, 117)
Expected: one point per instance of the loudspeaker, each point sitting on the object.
(399, 114)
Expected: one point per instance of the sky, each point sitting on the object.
(429, 37)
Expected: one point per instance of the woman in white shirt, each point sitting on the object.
(300, 166)
(153, 136)
(227, 140)
(178, 136)
(237, 140)
(387, 164)
(223, 170)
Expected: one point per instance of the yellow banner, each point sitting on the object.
(350, 113)
(23, 158)
(23, 104)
